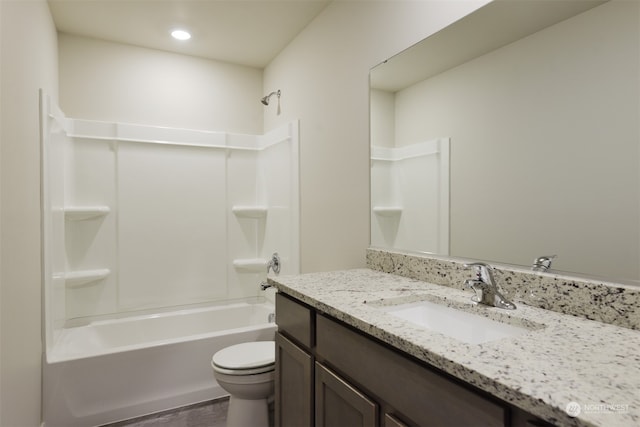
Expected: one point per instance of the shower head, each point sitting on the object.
(265, 99)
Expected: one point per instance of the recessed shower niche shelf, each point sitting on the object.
(255, 211)
(387, 210)
(253, 265)
(80, 278)
(81, 213)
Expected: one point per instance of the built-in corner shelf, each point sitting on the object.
(389, 211)
(77, 279)
(249, 211)
(253, 265)
(80, 213)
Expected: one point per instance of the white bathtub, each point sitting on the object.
(112, 370)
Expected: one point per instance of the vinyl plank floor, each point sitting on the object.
(206, 414)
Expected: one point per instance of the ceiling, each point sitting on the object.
(246, 32)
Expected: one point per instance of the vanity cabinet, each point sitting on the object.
(331, 375)
(294, 382)
(294, 363)
(338, 403)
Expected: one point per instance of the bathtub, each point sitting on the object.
(111, 370)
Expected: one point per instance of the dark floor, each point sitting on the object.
(205, 414)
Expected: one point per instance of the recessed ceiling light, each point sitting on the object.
(180, 35)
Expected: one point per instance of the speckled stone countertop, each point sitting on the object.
(562, 361)
(607, 302)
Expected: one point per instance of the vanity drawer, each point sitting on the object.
(419, 393)
(295, 320)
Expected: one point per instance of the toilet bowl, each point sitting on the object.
(247, 372)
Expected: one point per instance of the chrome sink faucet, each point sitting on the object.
(485, 287)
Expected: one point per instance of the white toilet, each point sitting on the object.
(247, 372)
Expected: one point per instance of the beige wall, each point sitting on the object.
(28, 62)
(323, 75)
(107, 81)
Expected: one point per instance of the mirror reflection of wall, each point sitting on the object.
(544, 144)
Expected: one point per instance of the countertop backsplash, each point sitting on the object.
(607, 302)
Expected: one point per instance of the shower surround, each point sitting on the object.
(140, 220)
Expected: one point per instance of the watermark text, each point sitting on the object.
(573, 409)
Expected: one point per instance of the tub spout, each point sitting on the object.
(265, 285)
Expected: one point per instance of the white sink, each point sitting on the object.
(454, 323)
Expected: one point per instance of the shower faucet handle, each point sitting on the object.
(274, 263)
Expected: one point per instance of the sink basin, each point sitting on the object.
(458, 324)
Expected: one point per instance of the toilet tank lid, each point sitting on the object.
(247, 355)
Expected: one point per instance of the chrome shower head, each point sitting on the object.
(265, 99)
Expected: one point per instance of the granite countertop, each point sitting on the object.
(564, 360)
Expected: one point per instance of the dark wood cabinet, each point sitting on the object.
(338, 403)
(294, 383)
(420, 395)
(391, 421)
(330, 375)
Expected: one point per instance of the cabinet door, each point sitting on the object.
(293, 385)
(391, 421)
(296, 320)
(339, 404)
(520, 418)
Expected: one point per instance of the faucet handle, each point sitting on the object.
(274, 263)
(543, 263)
(481, 270)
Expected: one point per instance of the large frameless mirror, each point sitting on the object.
(511, 134)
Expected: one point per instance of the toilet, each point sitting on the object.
(247, 372)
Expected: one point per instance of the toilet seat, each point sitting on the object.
(249, 358)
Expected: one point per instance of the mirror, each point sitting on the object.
(511, 134)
